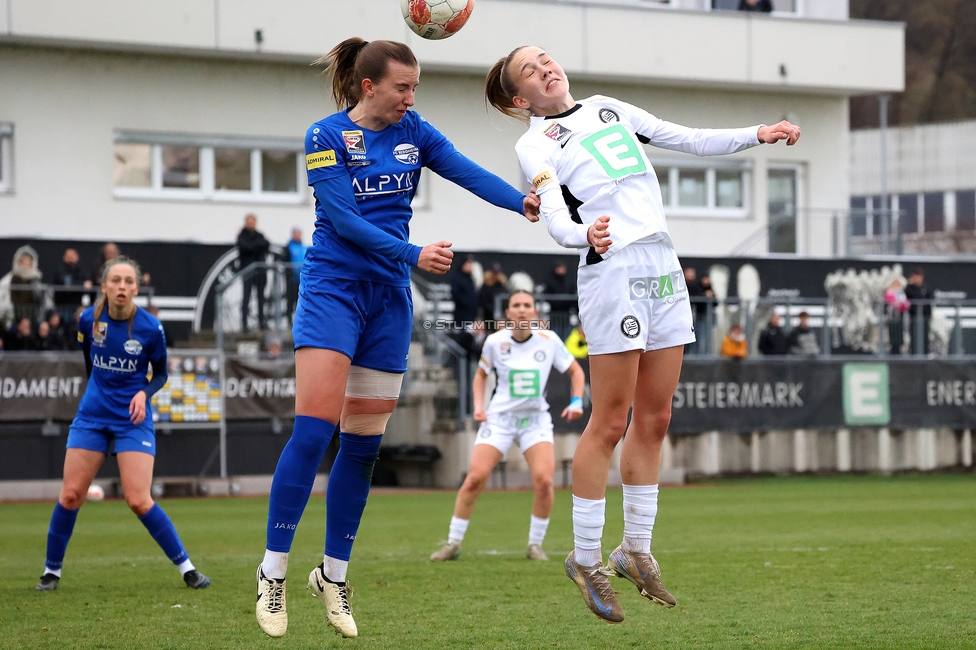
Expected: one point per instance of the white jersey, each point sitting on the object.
(589, 162)
(522, 369)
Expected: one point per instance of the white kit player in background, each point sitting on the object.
(518, 412)
(587, 164)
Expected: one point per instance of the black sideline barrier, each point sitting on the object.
(713, 395)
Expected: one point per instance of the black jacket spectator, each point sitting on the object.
(19, 337)
(252, 246)
(463, 293)
(560, 282)
(802, 340)
(773, 340)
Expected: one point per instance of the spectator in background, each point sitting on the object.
(802, 340)
(493, 284)
(70, 275)
(561, 309)
(772, 339)
(701, 295)
(58, 332)
(764, 6)
(294, 254)
(576, 342)
(26, 297)
(18, 338)
(42, 341)
(920, 311)
(465, 298)
(252, 247)
(108, 253)
(734, 345)
(896, 304)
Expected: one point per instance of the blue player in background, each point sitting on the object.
(121, 342)
(355, 311)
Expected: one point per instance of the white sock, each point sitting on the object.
(537, 530)
(335, 570)
(588, 519)
(274, 565)
(53, 572)
(458, 528)
(640, 509)
(186, 565)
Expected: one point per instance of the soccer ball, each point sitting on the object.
(95, 493)
(436, 19)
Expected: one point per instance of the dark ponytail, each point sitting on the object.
(499, 89)
(355, 59)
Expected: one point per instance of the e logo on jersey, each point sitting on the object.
(524, 383)
(558, 133)
(505, 349)
(133, 347)
(617, 151)
(406, 153)
(607, 116)
(630, 327)
(320, 159)
(541, 179)
(354, 142)
(539, 355)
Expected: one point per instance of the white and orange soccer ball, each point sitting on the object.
(95, 492)
(436, 19)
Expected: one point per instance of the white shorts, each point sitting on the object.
(525, 429)
(636, 299)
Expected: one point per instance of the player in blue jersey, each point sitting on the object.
(121, 343)
(355, 312)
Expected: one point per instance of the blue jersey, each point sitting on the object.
(119, 363)
(384, 168)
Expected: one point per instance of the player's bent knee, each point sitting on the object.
(140, 505)
(71, 498)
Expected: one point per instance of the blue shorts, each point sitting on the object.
(368, 322)
(98, 436)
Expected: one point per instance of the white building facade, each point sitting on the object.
(928, 173)
(168, 121)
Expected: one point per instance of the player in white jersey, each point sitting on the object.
(590, 171)
(521, 358)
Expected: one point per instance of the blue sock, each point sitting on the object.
(58, 535)
(158, 524)
(348, 489)
(293, 479)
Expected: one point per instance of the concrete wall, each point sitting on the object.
(600, 40)
(926, 158)
(66, 105)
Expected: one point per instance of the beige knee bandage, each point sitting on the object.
(366, 424)
(365, 383)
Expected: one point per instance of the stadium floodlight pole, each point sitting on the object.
(883, 100)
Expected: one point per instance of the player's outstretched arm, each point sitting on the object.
(781, 131)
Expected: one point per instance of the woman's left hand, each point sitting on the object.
(530, 206)
(782, 131)
(570, 414)
(137, 408)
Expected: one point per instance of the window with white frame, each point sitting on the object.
(697, 189)
(214, 168)
(6, 156)
(780, 7)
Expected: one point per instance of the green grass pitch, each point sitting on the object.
(844, 562)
